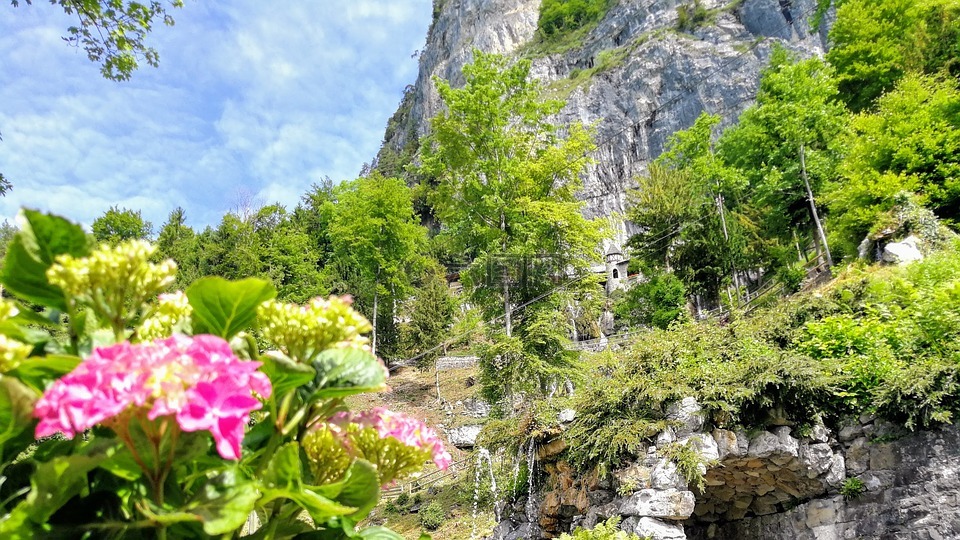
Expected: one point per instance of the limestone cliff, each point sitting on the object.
(635, 75)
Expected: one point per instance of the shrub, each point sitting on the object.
(562, 16)
(852, 488)
(692, 16)
(608, 530)
(432, 516)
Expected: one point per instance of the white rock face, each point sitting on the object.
(464, 436)
(903, 252)
(664, 82)
(646, 527)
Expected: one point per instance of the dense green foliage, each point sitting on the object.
(876, 42)
(559, 16)
(881, 340)
(505, 194)
(608, 530)
(658, 301)
(117, 225)
(911, 143)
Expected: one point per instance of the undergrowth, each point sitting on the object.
(882, 340)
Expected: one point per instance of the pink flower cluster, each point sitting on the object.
(408, 431)
(198, 380)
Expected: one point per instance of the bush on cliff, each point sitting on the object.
(882, 340)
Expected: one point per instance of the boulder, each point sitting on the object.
(464, 436)
(688, 414)
(903, 252)
(646, 527)
(665, 504)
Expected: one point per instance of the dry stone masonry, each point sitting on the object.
(772, 484)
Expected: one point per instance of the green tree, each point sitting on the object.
(288, 255)
(682, 207)
(657, 301)
(911, 143)
(507, 177)
(506, 180)
(119, 224)
(874, 43)
(432, 308)
(786, 146)
(178, 241)
(375, 229)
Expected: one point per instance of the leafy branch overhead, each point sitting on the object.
(113, 32)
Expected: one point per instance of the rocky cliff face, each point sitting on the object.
(869, 479)
(635, 76)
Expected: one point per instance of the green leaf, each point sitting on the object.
(37, 371)
(361, 489)
(344, 372)
(223, 307)
(379, 533)
(224, 503)
(42, 237)
(284, 373)
(16, 408)
(319, 507)
(57, 481)
(258, 434)
(283, 471)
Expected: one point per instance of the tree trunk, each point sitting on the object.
(376, 301)
(813, 207)
(507, 316)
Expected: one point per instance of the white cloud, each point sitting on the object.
(249, 96)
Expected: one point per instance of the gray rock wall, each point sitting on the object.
(912, 492)
(774, 484)
(666, 79)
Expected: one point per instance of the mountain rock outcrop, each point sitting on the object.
(635, 75)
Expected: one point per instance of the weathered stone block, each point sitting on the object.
(666, 504)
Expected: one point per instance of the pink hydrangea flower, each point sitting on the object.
(408, 431)
(197, 380)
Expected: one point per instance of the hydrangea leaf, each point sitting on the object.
(38, 371)
(379, 533)
(319, 507)
(224, 503)
(345, 372)
(16, 408)
(361, 489)
(223, 307)
(283, 471)
(285, 374)
(42, 237)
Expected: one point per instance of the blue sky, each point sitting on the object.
(252, 99)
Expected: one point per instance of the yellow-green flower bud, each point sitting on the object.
(115, 282)
(171, 310)
(7, 309)
(303, 332)
(12, 352)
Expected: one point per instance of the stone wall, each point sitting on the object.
(771, 484)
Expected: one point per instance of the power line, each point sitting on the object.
(520, 307)
(652, 113)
